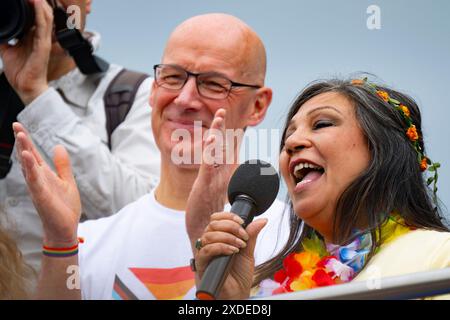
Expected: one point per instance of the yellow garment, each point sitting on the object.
(416, 251)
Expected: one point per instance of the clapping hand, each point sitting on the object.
(55, 195)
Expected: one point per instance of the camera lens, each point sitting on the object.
(16, 18)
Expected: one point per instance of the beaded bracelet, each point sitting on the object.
(61, 252)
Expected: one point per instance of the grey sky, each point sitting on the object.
(307, 40)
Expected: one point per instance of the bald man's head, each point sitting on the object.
(221, 47)
(227, 37)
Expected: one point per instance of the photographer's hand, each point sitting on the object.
(25, 65)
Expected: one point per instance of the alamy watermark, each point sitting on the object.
(374, 19)
(231, 146)
(74, 17)
(73, 280)
(373, 281)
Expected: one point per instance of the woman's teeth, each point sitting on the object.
(301, 169)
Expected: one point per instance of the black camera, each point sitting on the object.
(16, 19)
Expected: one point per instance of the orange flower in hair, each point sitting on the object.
(405, 110)
(358, 82)
(423, 164)
(423, 161)
(412, 133)
(383, 95)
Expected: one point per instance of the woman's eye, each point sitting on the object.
(322, 124)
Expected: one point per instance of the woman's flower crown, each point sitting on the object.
(411, 131)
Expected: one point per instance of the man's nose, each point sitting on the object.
(189, 97)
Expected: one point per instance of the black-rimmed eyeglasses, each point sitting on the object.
(209, 85)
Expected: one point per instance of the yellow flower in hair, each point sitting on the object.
(405, 110)
(412, 133)
(383, 95)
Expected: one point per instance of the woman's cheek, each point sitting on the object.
(284, 166)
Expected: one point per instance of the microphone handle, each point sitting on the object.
(217, 270)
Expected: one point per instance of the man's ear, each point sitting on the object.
(260, 106)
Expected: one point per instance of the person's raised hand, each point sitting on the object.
(209, 192)
(55, 195)
(25, 64)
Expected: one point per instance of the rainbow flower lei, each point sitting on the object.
(321, 264)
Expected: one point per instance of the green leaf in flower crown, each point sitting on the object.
(314, 244)
(409, 122)
(432, 169)
(430, 180)
(394, 101)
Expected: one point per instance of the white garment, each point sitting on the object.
(143, 252)
(72, 113)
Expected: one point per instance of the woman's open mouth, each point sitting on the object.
(304, 173)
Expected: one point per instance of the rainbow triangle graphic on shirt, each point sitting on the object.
(166, 284)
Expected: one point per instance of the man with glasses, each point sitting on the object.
(211, 77)
(210, 85)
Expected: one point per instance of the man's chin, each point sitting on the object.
(187, 166)
(185, 153)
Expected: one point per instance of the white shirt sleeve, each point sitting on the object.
(107, 180)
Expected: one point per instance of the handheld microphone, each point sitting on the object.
(252, 190)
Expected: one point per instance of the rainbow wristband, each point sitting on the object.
(61, 252)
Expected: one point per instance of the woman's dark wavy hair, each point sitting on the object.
(392, 181)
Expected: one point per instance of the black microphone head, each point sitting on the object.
(258, 180)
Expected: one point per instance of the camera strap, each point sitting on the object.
(11, 106)
(76, 45)
(79, 49)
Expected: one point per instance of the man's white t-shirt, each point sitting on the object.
(143, 251)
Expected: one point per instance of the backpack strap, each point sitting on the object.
(119, 97)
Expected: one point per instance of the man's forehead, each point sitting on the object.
(209, 41)
(205, 58)
(218, 40)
